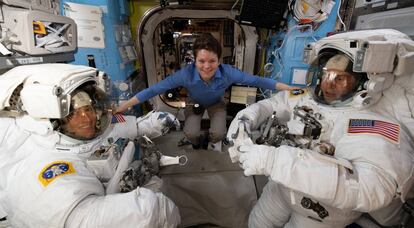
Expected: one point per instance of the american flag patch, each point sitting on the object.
(362, 126)
(118, 118)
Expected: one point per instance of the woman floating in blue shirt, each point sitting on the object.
(206, 81)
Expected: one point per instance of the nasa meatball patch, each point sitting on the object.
(55, 170)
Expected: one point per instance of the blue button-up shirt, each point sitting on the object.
(205, 93)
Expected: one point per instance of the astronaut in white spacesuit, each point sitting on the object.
(53, 119)
(342, 155)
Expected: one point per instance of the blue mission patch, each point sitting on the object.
(54, 170)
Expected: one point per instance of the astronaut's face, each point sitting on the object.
(336, 84)
(207, 63)
(81, 122)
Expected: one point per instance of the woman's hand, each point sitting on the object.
(282, 86)
(124, 106)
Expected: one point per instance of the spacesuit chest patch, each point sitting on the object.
(387, 130)
(118, 118)
(54, 170)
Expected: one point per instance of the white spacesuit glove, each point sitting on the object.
(233, 130)
(238, 134)
(155, 124)
(257, 159)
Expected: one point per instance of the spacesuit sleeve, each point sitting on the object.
(124, 127)
(380, 172)
(138, 208)
(259, 112)
(4, 126)
(153, 124)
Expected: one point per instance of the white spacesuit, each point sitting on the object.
(340, 154)
(53, 118)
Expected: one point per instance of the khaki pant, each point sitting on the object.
(217, 114)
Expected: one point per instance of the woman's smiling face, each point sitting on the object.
(207, 63)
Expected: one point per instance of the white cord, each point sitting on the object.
(339, 16)
(232, 8)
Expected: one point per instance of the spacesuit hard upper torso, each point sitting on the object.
(44, 177)
(380, 157)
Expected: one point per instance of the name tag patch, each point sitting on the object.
(387, 130)
(55, 170)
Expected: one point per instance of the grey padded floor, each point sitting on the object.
(209, 189)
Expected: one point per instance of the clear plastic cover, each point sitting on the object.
(330, 79)
(89, 114)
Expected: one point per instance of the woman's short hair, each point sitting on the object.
(208, 42)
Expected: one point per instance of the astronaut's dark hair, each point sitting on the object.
(207, 42)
